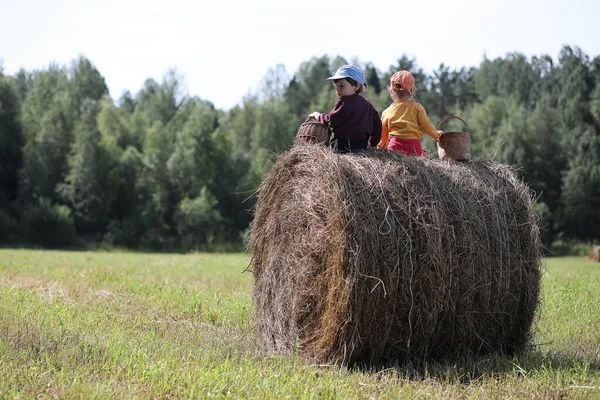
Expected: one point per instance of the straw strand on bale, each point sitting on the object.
(381, 256)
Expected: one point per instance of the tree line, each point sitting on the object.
(164, 170)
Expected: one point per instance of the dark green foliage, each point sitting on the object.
(464, 88)
(160, 102)
(91, 185)
(546, 161)
(163, 170)
(23, 83)
(47, 120)
(9, 227)
(372, 77)
(198, 220)
(48, 224)
(193, 162)
(577, 84)
(581, 190)
(11, 142)
(157, 193)
(114, 127)
(127, 103)
(484, 120)
(442, 86)
(86, 83)
(306, 84)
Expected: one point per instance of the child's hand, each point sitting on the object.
(314, 115)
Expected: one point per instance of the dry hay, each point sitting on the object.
(378, 256)
(594, 254)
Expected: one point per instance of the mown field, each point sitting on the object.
(129, 325)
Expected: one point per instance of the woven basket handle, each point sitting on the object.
(452, 116)
(312, 121)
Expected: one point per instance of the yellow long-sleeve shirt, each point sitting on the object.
(406, 119)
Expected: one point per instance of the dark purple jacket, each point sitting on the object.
(354, 117)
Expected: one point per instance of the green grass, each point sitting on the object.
(125, 325)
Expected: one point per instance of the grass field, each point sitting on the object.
(128, 325)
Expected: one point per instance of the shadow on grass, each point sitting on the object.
(470, 368)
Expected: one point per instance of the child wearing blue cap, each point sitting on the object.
(355, 122)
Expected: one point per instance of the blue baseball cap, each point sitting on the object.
(349, 71)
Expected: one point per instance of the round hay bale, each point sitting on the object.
(312, 132)
(380, 256)
(594, 254)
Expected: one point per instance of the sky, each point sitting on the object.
(224, 48)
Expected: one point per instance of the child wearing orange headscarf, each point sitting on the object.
(405, 120)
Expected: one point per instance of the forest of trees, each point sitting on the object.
(164, 170)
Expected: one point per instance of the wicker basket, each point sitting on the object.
(312, 132)
(455, 145)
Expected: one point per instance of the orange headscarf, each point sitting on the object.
(402, 80)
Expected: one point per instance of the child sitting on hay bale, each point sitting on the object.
(353, 119)
(405, 120)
